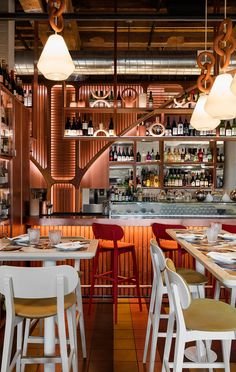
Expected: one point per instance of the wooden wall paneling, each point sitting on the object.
(63, 152)
(63, 197)
(25, 162)
(97, 176)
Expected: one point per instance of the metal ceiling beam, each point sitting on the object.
(101, 17)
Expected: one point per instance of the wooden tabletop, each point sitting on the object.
(45, 253)
(226, 277)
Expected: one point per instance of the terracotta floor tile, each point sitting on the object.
(140, 356)
(144, 367)
(123, 333)
(104, 366)
(125, 367)
(101, 355)
(124, 356)
(123, 325)
(126, 344)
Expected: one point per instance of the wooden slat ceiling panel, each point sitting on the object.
(62, 151)
(63, 197)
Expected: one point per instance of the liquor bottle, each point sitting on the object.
(180, 127)
(111, 99)
(234, 127)
(85, 126)
(148, 157)
(119, 100)
(228, 129)
(80, 127)
(191, 131)
(67, 127)
(73, 127)
(174, 128)
(90, 128)
(157, 157)
(150, 100)
(168, 131)
(115, 154)
(186, 127)
(209, 155)
(127, 155)
(123, 157)
(30, 98)
(111, 128)
(111, 154)
(91, 100)
(101, 104)
(152, 155)
(192, 182)
(119, 156)
(131, 154)
(200, 155)
(222, 128)
(138, 157)
(197, 181)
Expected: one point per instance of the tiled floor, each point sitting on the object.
(116, 347)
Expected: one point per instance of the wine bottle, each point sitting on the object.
(228, 129)
(119, 156)
(90, 128)
(168, 131)
(119, 100)
(80, 127)
(123, 157)
(1, 73)
(73, 127)
(174, 128)
(111, 99)
(150, 100)
(234, 127)
(85, 126)
(186, 128)
(131, 154)
(115, 154)
(67, 127)
(222, 128)
(111, 128)
(180, 127)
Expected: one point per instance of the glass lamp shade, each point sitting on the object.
(221, 102)
(233, 85)
(200, 119)
(55, 62)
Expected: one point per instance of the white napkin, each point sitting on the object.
(187, 236)
(228, 257)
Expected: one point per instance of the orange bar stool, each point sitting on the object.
(165, 242)
(109, 241)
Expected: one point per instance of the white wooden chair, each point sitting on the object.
(197, 319)
(36, 293)
(196, 283)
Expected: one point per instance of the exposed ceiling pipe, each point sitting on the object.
(101, 17)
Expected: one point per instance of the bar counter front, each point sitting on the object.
(136, 219)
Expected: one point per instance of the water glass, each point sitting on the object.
(212, 235)
(54, 236)
(34, 236)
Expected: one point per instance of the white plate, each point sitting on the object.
(227, 236)
(22, 238)
(70, 246)
(191, 237)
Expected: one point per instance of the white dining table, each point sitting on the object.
(48, 257)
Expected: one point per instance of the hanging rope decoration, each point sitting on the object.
(224, 43)
(55, 10)
(205, 61)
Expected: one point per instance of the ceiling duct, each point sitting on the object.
(128, 63)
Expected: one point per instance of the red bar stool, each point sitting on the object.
(165, 242)
(109, 241)
(229, 228)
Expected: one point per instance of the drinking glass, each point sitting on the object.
(34, 236)
(54, 236)
(212, 235)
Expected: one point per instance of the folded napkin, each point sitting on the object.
(228, 257)
(187, 236)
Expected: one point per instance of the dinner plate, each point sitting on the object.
(20, 238)
(191, 237)
(70, 246)
(227, 236)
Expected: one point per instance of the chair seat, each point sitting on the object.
(210, 315)
(192, 276)
(108, 244)
(41, 308)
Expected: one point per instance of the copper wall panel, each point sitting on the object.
(63, 197)
(97, 176)
(36, 178)
(63, 155)
(39, 146)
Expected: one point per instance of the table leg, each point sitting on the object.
(49, 334)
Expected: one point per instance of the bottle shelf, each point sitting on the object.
(131, 163)
(193, 164)
(187, 187)
(124, 110)
(151, 162)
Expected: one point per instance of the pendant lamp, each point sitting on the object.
(55, 62)
(200, 119)
(221, 102)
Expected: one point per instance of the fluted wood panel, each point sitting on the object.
(63, 154)
(39, 145)
(63, 197)
(140, 236)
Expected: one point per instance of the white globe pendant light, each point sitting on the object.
(233, 85)
(200, 119)
(55, 62)
(221, 102)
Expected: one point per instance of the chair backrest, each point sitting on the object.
(175, 280)
(229, 228)
(37, 282)
(107, 232)
(159, 230)
(158, 258)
